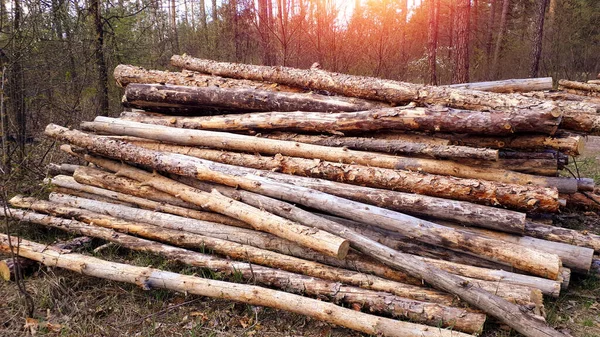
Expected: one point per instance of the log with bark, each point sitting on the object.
(67, 169)
(391, 146)
(194, 100)
(589, 87)
(564, 235)
(228, 141)
(543, 167)
(535, 262)
(509, 86)
(149, 278)
(517, 292)
(565, 96)
(418, 311)
(94, 178)
(482, 192)
(407, 118)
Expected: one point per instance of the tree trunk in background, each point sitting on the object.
(536, 50)
(500, 38)
(432, 40)
(462, 34)
(202, 17)
(174, 37)
(215, 15)
(16, 85)
(489, 40)
(403, 21)
(264, 27)
(102, 79)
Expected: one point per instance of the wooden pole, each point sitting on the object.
(579, 86)
(228, 141)
(149, 278)
(194, 100)
(564, 235)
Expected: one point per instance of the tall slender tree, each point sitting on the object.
(538, 34)
(102, 76)
(432, 40)
(500, 37)
(461, 52)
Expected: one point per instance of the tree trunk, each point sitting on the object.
(367, 87)
(564, 235)
(463, 36)
(391, 146)
(126, 74)
(174, 36)
(564, 142)
(574, 257)
(102, 80)
(538, 37)
(566, 84)
(95, 177)
(194, 100)
(288, 118)
(512, 196)
(202, 17)
(509, 86)
(432, 39)
(227, 141)
(149, 278)
(500, 38)
(491, 26)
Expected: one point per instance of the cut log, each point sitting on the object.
(391, 146)
(564, 235)
(509, 86)
(516, 293)
(366, 87)
(544, 167)
(582, 201)
(92, 175)
(227, 141)
(574, 257)
(408, 118)
(567, 143)
(565, 96)
(149, 278)
(582, 123)
(408, 226)
(67, 169)
(157, 97)
(445, 187)
(566, 84)
(126, 74)
(11, 269)
(503, 310)
(293, 213)
(417, 311)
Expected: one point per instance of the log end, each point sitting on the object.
(4, 270)
(343, 249)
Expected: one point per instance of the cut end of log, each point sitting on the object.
(343, 250)
(4, 270)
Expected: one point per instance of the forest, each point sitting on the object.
(58, 55)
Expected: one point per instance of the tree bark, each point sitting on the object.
(95, 177)
(509, 86)
(368, 87)
(149, 278)
(488, 193)
(500, 37)
(461, 47)
(543, 167)
(227, 141)
(432, 119)
(529, 260)
(194, 100)
(391, 146)
(538, 37)
(102, 79)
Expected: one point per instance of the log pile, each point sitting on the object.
(403, 201)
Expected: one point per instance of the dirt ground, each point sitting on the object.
(68, 304)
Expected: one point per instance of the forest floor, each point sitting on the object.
(69, 304)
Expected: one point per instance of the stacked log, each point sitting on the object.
(398, 199)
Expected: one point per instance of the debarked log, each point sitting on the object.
(149, 278)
